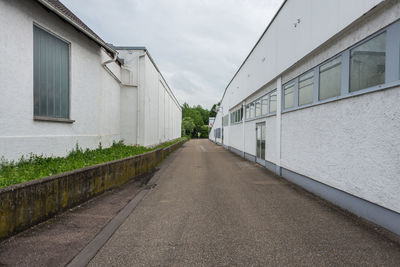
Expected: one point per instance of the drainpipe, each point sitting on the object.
(243, 127)
(278, 123)
(140, 87)
(104, 64)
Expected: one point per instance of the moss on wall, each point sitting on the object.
(27, 204)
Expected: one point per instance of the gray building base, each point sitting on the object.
(370, 211)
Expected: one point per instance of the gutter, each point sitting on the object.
(80, 28)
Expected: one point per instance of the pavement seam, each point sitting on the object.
(89, 252)
(84, 257)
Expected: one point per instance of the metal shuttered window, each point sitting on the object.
(51, 75)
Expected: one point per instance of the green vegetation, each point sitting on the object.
(34, 166)
(195, 120)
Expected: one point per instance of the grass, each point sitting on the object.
(35, 167)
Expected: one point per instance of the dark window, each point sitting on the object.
(51, 75)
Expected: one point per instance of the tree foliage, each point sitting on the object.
(187, 126)
(199, 117)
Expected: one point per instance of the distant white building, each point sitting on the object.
(317, 101)
(62, 85)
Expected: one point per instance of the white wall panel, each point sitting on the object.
(283, 44)
(352, 144)
(271, 140)
(95, 118)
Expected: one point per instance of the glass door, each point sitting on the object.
(260, 140)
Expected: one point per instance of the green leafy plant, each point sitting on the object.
(37, 166)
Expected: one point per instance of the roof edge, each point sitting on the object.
(76, 25)
(251, 51)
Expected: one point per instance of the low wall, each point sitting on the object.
(27, 204)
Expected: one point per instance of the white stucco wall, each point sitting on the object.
(129, 109)
(159, 117)
(271, 141)
(235, 134)
(94, 94)
(283, 44)
(352, 145)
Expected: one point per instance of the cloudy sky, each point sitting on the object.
(198, 45)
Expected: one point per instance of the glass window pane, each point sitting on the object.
(50, 74)
(330, 79)
(264, 105)
(289, 95)
(272, 102)
(252, 110)
(306, 88)
(258, 108)
(367, 63)
(247, 112)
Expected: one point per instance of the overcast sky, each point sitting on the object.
(198, 45)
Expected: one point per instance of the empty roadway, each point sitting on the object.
(213, 208)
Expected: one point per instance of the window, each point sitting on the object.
(330, 79)
(258, 108)
(289, 95)
(217, 133)
(50, 75)
(225, 120)
(272, 102)
(367, 63)
(237, 116)
(264, 105)
(306, 88)
(247, 112)
(252, 110)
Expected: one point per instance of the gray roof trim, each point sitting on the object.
(128, 47)
(76, 25)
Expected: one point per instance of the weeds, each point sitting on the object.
(35, 166)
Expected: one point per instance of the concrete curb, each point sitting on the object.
(27, 204)
(89, 252)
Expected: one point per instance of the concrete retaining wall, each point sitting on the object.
(24, 205)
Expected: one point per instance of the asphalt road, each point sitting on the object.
(213, 208)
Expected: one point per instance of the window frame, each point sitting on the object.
(50, 118)
(314, 87)
(259, 100)
(364, 42)
(342, 63)
(392, 70)
(295, 83)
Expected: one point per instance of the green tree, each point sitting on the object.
(204, 131)
(199, 117)
(187, 126)
(213, 111)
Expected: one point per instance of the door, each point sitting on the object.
(260, 142)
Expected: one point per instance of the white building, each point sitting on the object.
(317, 102)
(159, 114)
(62, 85)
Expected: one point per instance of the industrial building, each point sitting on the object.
(317, 102)
(62, 85)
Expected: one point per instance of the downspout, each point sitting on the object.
(243, 127)
(140, 86)
(104, 64)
